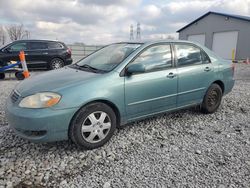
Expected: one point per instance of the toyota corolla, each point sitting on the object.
(116, 85)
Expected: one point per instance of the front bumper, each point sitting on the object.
(39, 125)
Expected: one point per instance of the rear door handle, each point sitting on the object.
(45, 53)
(171, 75)
(207, 69)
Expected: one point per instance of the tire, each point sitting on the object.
(2, 76)
(92, 126)
(212, 99)
(19, 75)
(56, 63)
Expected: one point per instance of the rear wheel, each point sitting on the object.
(56, 63)
(212, 99)
(93, 126)
(2, 75)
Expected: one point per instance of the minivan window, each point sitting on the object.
(188, 55)
(155, 58)
(38, 46)
(18, 46)
(109, 57)
(55, 45)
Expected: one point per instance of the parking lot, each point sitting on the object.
(181, 149)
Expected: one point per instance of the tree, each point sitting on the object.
(17, 32)
(2, 35)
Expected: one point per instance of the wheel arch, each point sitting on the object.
(56, 57)
(109, 103)
(221, 84)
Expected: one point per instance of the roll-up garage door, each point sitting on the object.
(224, 43)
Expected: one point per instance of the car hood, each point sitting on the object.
(54, 80)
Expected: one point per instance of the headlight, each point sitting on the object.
(40, 100)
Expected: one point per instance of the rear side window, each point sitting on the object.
(38, 46)
(55, 45)
(18, 46)
(204, 57)
(188, 55)
(155, 58)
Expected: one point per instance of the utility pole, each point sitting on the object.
(138, 32)
(131, 32)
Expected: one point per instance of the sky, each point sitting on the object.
(107, 21)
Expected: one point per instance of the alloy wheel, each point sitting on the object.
(56, 64)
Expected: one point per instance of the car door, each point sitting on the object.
(37, 54)
(195, 73)
(11, 52)
(155, 89)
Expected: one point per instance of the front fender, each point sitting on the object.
(109, 88)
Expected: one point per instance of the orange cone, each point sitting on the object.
(24, 65)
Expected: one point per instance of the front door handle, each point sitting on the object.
(45, 53)
(207, 69)
(171, 75)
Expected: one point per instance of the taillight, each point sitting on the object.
(69, 51)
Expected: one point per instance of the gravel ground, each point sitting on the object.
(181, 149)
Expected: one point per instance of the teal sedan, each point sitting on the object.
(116, 85)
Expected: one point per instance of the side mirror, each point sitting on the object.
(135, 68)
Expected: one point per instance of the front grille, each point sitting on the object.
(14, 96)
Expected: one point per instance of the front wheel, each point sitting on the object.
(93, 126)
(212, 99)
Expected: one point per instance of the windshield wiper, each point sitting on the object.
(86, 66)
(75, 66)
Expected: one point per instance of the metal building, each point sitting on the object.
(227, 35)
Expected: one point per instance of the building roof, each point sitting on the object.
(245, 18)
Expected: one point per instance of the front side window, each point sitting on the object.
(18, 46)
(155, 58)
(108, 57)
(38, 46)
(188, 55)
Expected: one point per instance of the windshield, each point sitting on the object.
(108, 57)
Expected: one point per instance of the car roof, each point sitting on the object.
(168, 40)
(36, 40)
(156, 41)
